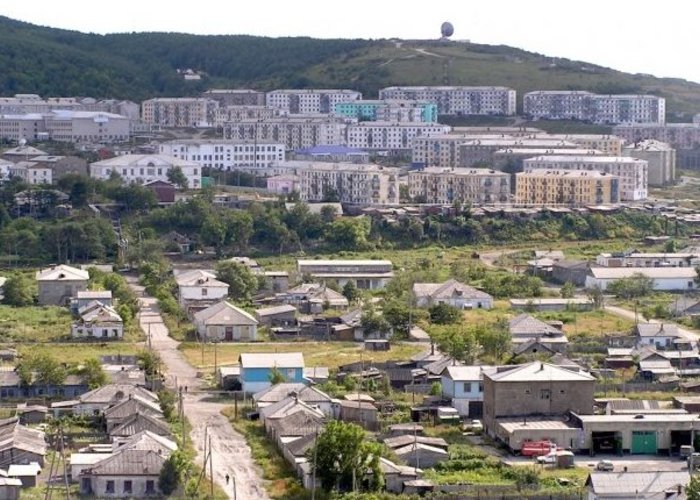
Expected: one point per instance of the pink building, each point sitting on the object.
(283, 184)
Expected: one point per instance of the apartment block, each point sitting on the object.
(179, 112)
(32, 172)
(309, 101)
(350, 183)
(445, 186)
(631, 172)
(66, 126)
(142, 169)
(242, 113)
(611, 145)
(678, 135)
(395, 137)
(236, 97)
(595, 108)
(511, 159)
(454, 100)
(660, 157)
(566, 187)
(294, 131)
(250, 156)
(476, 151)
(393, 110)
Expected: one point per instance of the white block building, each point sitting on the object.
(391, 136)
(142, 169)
(309, 101)
(226, 154)
(632, 172)
(350, 182)
(663, 278)
(294, 131)
(455, 100)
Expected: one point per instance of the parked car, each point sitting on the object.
(685, 451)
(474, 426)
(605, 465)
(549, 458)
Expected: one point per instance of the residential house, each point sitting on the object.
(57, 284)
(464, 385)
(127, 473)
(684, 306)
(396, 475)
(400, 441)
(26, 473)
(451, 292)
(309, 395)
(141, 422)
(98, 400)
(198, 286)
(312, 298)
(291, 419)
(32, 414)
(364, 274)
(276, 281)
(421, 455)
(663, 278)
(135, 405)
(533, 347)
(225, 322)
(10, 488)
(360, 412)
(615, 485)
(570, 271)
(11, 387)
(98, 321)
(284, 315)
(524, 328)
(20, 444)
(257, 369)
(86, 297)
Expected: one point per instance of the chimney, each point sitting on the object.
(541, 366)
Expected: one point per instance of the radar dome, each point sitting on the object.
(447, 29)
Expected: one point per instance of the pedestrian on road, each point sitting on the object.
(228, 478)
(185, 389)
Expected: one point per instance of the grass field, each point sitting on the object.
(71, 352)
(330, 354)
(34, 324)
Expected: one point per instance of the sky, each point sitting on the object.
(636, 36)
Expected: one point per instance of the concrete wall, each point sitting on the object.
(138, 486)
(57, 293)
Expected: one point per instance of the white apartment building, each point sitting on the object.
(309, 101)
(390, 136)
(511, 159)
(66, 126)
(611, 145)
(179, 112)
(141, 169)
(294, 131)
(350, 183)
(595, 108)
(445, 186)
(632, 172)
(241, 113)
(454, 100)
(481, 150)
(32, 172)
(678, 135)
(236, 97)
(660, 156)
(226, 155)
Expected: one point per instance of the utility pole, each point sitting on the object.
(65, 469)
(313, 470)
(233, 478)
(47, 495)
(181, 411)
(211, 469)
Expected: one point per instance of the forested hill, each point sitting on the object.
(54, 62)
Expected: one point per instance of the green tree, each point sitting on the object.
(328, 213)
(444, 314)
(458, 343)
(596, 296)
(373, 322)
(568, 290)
(692, 491)
(93, 374)
(150, 362)
(173, 471)
(495, 341)
(398, 315)
(635, 286)
(436, 389)
(351, 292)
(343, 456)
(276, 376)
(18, 291)
(177, 176)
(241, 280)
(167, 400)
(40, 368)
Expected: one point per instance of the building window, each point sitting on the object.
(204, 292)
(127, 486)
(467, 387)
(110, 486)
(545, 394)
(150, 487)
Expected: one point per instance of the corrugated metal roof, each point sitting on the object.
(271, 360)
(224, 313)
(636, 484)
(539, 371)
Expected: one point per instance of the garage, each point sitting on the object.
(606, 442)
(644, 442)
(678, 439)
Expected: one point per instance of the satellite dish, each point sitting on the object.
(447, 30)
(22, 142)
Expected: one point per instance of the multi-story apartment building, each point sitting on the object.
(511, 159)
(394, 137)
(350, 183)
(480, 151)
(142, 169)
(66, 126)
(660, 156)
(444, 186)
(241, 113)
(566, 187)
(611, 145)
(236, 97)
(309, 101)
(32, 172)
(392, 110)
(250, 156)
(459, 100)
(631, 172)
(179, 112)
(295, 132)
(595, 108)
(678, 135)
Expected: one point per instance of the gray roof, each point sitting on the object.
(146, 440)
(636, 484)
(201, 278)
(299, 447)
(279, 392)
(406, 439)
(93, 294)
(467, 373)
(271, 311)
(13, 435)
(299, 423)
(271, 360)
(224, 313)
(134, 404)
(683, 303)
(129, 462)
(657, 330)
(447, 290)
(62, 273)
(288, 406)
(524, 324)
(113, 393)
(539, 372)
(141, 422)
(411, 449)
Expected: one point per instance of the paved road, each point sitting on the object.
(231, 453)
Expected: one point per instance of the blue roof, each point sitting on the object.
(329, 150)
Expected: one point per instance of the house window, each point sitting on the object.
(110, 486)
(481, 387)
(127, 486)
(545, 394)
(290, 374)
(467, 387)
(150, 487)
(204, 292)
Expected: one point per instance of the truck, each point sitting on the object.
(537, 448)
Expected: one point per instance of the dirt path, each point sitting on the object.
(231, 453)
(626, 313)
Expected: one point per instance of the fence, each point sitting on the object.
(637, 387)
(418, 388)
(497, 492)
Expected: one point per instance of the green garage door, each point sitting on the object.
(644, 442)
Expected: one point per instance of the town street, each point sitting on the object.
(231, 454)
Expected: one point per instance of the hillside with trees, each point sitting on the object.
(137, 66)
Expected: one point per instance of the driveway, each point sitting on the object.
(231, 454)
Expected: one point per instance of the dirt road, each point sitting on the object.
(231, 454)
(626, 313)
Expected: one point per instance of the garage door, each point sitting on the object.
(643, 442)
